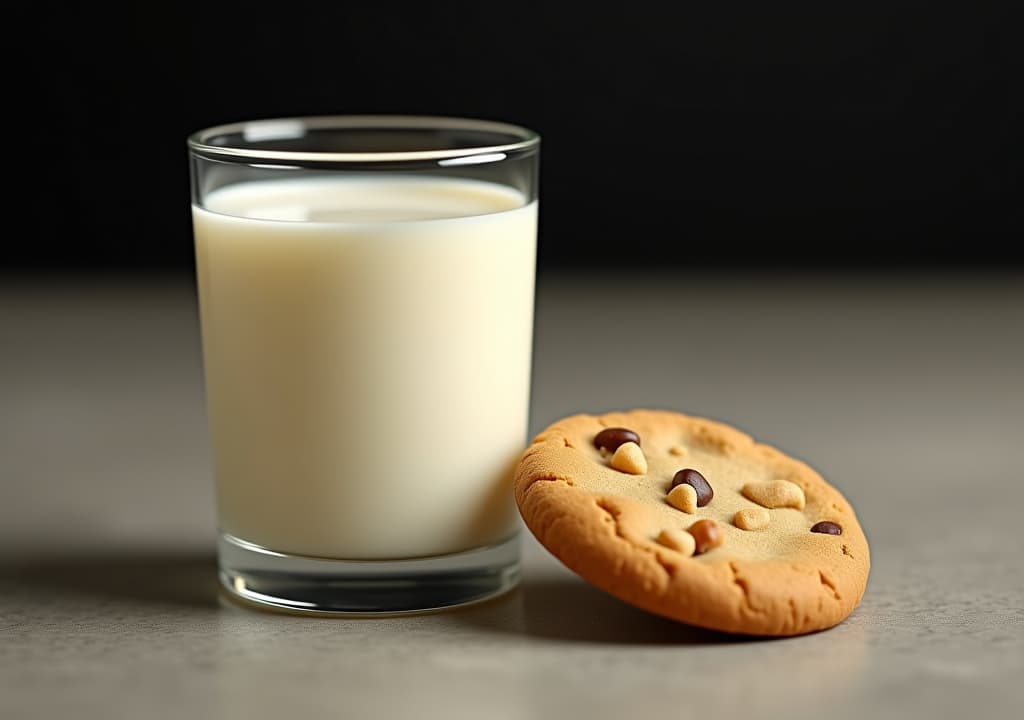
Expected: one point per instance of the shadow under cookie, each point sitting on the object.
(568, 609)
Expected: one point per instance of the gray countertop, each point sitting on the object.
(907, 393)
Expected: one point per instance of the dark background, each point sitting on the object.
(818, 135)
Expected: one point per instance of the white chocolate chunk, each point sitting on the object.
(683, 497)
(775, 494)
(629, 458)
(678, 540)
(751, 519)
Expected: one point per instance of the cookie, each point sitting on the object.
(691, 519)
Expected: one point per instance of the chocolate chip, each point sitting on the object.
(695, 480)
(826, 527)
(707, 535)
(611, 438)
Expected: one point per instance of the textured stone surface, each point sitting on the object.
(908, 395)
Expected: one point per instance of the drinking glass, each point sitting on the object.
(366, 292)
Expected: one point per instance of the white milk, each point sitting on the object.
(367, 354)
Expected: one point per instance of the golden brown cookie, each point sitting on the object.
(775, 549)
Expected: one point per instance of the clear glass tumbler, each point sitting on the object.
(366, 291)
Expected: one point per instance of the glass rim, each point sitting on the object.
(522, 139)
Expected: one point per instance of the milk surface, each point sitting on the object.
(367, 356)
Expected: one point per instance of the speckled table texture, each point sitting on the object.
(906, 392)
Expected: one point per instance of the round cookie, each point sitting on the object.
(752, 542)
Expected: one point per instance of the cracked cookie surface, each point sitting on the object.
(780, 576)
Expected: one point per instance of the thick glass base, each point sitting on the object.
(365, 587)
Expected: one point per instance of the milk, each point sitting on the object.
(367, 355)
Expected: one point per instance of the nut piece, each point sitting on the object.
(707, 534)
(678, 540)
(683, 497)
(775, 494)
(751, 519)
(629, 458)
(677, 450)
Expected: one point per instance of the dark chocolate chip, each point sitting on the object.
(695, 480)
(611, 438)
(826, 527)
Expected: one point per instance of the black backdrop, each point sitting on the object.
(834, 135)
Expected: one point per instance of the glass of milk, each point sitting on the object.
(366, 290)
